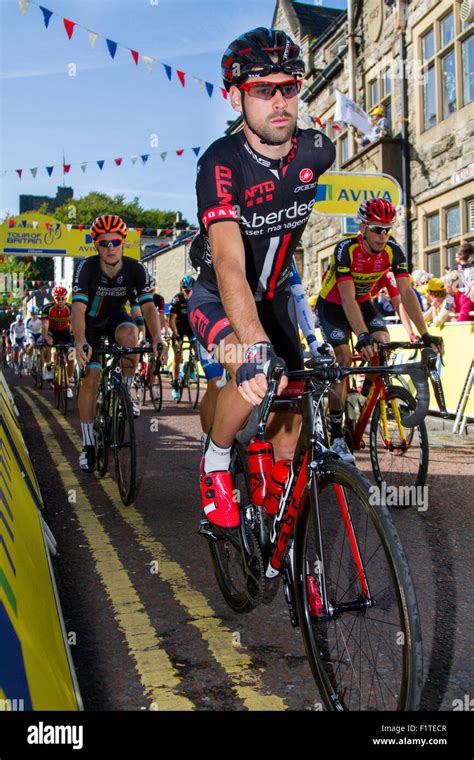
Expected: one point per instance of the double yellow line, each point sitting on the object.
(157, 674)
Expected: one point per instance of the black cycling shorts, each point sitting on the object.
(334, 324)
(278, 317)
(97, 331)
(61, 336)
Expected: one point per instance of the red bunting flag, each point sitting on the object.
(180, 152)
(181, 75)
(19, 172)
(140, 230)
(11, 222)
(168, 232)
(47, 225)
(69, 26)
(225, 94)
(118, 161)
(134, 56)
(66, 168)
(80, 227)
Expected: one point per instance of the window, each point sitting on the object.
(350, 225)
(447, 53)
(448, 84)
(374, 93)
(434, 264)
(379, 93)
(387, 82)
(453, 222)
(470, 214)
(451, 256)
(429, 99)
(468, 70)
(432, 229)
(344, 148)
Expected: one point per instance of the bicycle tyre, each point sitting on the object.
(63, 389)
(102, 443)
(192, 384)
(398, 468)
(155, 386)
(123, 441)
(337, 680)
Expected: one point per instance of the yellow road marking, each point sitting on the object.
(153, 665)
(238, 665)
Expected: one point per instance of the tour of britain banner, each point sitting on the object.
(33, 234)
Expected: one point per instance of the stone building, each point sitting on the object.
(440, 93)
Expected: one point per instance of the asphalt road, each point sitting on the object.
(148, 626)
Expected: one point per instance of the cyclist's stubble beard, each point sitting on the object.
(267, 134)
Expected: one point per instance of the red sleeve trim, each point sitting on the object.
(402, 274)
(341, 279)
(219, 214)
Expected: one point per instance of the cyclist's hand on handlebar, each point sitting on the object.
(83, 353)
(322, 350)
(366, 346)
(433, 341)
(251, 377)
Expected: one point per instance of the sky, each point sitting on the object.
(61, 95)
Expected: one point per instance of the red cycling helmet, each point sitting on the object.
(377, 211)
(59, 292)
(258, 53)
(108, 223)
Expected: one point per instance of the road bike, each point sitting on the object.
(37, 367)
(188, 378)
(60, 381)
(346, 576)
(399, 455)
(114, 423)
(148, 379)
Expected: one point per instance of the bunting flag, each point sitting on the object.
(49, 169)
(118, 161)
(149, 232)
(134, 159)
(196, 151)
(180, 152)
(66, 168)
(145, 157)
(34, 172)
(19, 172)
(100, 164)
(163, 155)
(112, 47)
(84, 166)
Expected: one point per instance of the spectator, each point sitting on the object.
(465, 257)
(460, 296)
(384, 303)
(436, 314)
(379, 127)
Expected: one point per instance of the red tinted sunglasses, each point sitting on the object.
(267, 90)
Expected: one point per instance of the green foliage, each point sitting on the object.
(85, 210)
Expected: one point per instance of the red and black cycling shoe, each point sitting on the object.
(217, 496)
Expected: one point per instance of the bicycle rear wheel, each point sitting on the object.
(155, 385)
(364, 646)
(102, 443)
(399, 455)
(124, 445)
(62, 390)
(192, 382)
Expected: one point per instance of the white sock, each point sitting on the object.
(216, 457)
(88, 433)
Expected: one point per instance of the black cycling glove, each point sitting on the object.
(429, 340)
(364, 339)
(258, 357)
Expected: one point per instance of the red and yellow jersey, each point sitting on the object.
(59, 319)
(352, 262)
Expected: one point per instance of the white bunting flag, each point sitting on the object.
(34, 225)
(23, 6)
(134, 159)
(34, 171)
(69, 227)
(92, 39)
(163, 155)
(200, 82)
(148, 62)
(84, 166)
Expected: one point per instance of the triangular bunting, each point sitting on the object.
(209, 88)
(69, 227)
(148, 62)
(23, 223)
(47, 225)
(84, 166)
(180, 152)
(225, 94)
(134, 56)
(145, 157)
(80, 227)
(66, 168)
(49, 169)
(19, 172)
(112, 47)
(69, 27)
(168, 70)
(100, 164)
(118, 161)
(134, 159)
(11, 223)
(200, 82)
(46, 16)
(92, 39)
(23, 6)
(34, 172)
(181, 75)
(163, 155)
(140, 230)
(34, 225)
(196, 151)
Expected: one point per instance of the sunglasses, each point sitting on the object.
(379, 230)
(114, 243)
(267, 90)
(187, 290)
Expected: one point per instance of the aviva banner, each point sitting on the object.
(341, 193)
(34, 234)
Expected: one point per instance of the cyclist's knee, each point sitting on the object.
(343, 355)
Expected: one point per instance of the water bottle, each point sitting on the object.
(260, 458)
(276, 484)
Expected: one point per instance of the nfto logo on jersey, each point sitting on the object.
(259, 193)
(306, 175)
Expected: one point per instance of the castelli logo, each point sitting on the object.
(306, 175)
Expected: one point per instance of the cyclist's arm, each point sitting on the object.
(303, 309)
(172, 322)
(410, 302)
(78, 325)
(152, 320)
(228, 257)
(404, 318)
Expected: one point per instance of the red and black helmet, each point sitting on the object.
(252, 54)
(377, 211)
(59, 292)
(108, 223)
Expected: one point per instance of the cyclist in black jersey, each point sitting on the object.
(180, 327)
(102, 286)
(255, 193)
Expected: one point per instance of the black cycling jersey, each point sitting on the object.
(105, 296)
(179, 306)
(270, 199)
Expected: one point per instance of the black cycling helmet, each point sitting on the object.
(250, 55)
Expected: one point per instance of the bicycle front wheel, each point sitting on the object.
(124, 445)
(399, 455)
(363, 637)
(155, 384)
(192, 383)
(62, 389)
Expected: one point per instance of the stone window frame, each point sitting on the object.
(433, 22)
(378, 73)
(335, 136)
(460, 195)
